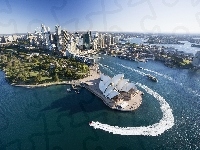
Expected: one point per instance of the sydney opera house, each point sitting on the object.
(118, 89)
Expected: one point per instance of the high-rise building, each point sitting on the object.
(65, 39)
(58, 29)
(116, 40)
(101, 41)
(107, 39)
(86, 41)
(112, 40)
(94, 44)
(58, 37)
(45, 36)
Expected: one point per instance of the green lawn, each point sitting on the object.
(33, 73)
(46, 78)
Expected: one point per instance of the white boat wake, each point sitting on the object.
(156, 129)
(132, 69)
(173, 80)
(190, 90)
(107, 68)
(160, 74)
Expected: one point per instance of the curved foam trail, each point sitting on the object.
(156, 129)
(107, 68)
(132, 69)
(171, 79)
(160, 74)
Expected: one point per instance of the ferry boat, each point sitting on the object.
(152, 78)
(140, 67)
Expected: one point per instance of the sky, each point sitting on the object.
(157, 16)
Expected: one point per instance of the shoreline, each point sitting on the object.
(42, 85)
(91, 83)
(69, 82)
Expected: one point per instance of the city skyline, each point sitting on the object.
(119, 16)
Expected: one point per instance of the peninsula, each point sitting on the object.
(31, 69)
(117, 93)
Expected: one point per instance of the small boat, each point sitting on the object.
(152, 78)
(139, 67)
(77, 91)
(68, 90)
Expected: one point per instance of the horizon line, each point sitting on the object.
(136, 32)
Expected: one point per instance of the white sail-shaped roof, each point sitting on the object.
(105, 78)
(102, 76)
(112, 94)
(101, 85)
(111, 87)
(104, 88)
(121, 83)
(128, 86)
(117, 78)
(108, 82)
(108, 90)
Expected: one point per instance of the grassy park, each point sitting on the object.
(27, 67)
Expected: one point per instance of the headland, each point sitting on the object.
(91, 83)
(128, 101)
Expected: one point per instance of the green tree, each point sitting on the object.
(38, 78)
(56, 78)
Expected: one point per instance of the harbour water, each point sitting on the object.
(186, 47)
(52, 118)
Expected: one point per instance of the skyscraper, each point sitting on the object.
(58, 37)
(45, 31)
(65, 39)
(58, 29)
(86, 41)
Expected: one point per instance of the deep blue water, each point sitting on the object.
(51, 118)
